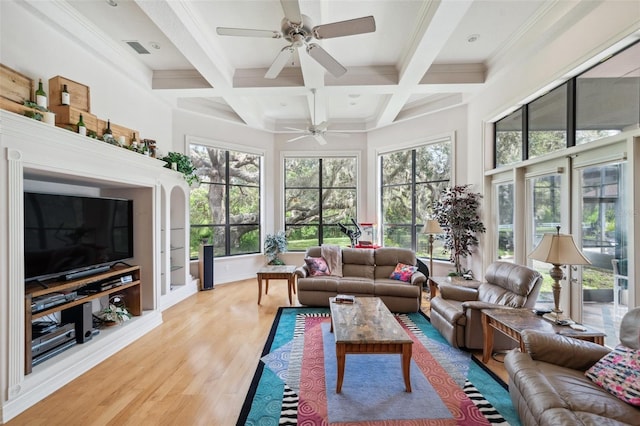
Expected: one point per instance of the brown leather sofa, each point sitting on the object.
(456, 312)
(365, 272)
(548, 385)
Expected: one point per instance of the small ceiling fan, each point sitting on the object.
(317, 131)
(298, 29)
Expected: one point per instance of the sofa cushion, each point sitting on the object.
(386, 259)
(619, 373)
(403, 272)
(355, 285)
(317, 266)
(394, 288)
(328, 284)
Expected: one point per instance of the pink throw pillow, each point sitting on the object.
(317, 266)
(618, 372)
(403, 272)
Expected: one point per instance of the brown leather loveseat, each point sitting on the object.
(548, 385)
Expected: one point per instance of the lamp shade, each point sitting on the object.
(558, 249)
(432, 227)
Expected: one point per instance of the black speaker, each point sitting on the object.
(205, 267)
(83, 319)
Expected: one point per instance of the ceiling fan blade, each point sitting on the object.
(280, 61)
(323, 58)
(291, 10)
(320, 139)
(298, 138)
(322, 126)
(363, 25)
(247, 32)
(295, 129)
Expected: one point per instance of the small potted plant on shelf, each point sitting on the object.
(114, 312)
(457, 212)
(181, 163)
(274, 244)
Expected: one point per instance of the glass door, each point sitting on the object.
(547, 210)
(601, 208)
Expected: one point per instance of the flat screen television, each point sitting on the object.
(66, 235)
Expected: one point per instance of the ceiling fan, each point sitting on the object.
(317, 131)
(298, 29)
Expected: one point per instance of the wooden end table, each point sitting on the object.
(368, 327)
(277, 272)
(434, 282)
(513, 321)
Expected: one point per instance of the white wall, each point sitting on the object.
(36, 49)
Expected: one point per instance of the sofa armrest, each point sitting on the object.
(418, 278)
(454, 292)
(562, 350)
(302, 271)
(478, 304)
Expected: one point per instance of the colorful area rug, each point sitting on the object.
(295, 381)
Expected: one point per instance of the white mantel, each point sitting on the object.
(35, 153)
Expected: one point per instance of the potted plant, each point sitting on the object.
(457, 212)
(274, 244)
(181, 163)
(115, 311)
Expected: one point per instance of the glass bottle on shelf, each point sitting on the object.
(108, 131)
(41, 96)
(65, 97)
(82, 129)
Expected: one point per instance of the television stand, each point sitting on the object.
(122, 280)
(87, 272)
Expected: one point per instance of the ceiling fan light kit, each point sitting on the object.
(298, 30)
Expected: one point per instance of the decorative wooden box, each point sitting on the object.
(14, 86)
(79, 94)
(68, 117)
(117, 131)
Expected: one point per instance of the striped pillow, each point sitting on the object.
(619, 373)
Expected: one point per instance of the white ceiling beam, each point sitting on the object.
(180, 23)
(438, 21)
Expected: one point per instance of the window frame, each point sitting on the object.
(284, 155)
(227, 148)
(417, 239)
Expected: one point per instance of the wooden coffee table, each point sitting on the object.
(277, 272)
(368, 327)
(513, 321)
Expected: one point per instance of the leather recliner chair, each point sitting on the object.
(457, 311)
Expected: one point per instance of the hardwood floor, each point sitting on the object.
(195, 369)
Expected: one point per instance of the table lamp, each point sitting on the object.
(558, 249)
(431, 227)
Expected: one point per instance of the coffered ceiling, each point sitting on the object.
(423, 55)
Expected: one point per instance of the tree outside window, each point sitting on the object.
(411, 181)
(225, 208)
(319, 194)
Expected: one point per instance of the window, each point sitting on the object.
(608, 97)
(225, 208)
(505, 207)
(509, 139)
(411, 181)
(319, 194)
(548, 123)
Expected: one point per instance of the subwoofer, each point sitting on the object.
(82, 317)
(205, 267)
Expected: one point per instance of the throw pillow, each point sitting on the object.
(317, 266)
(403, 272)
(619, 373)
